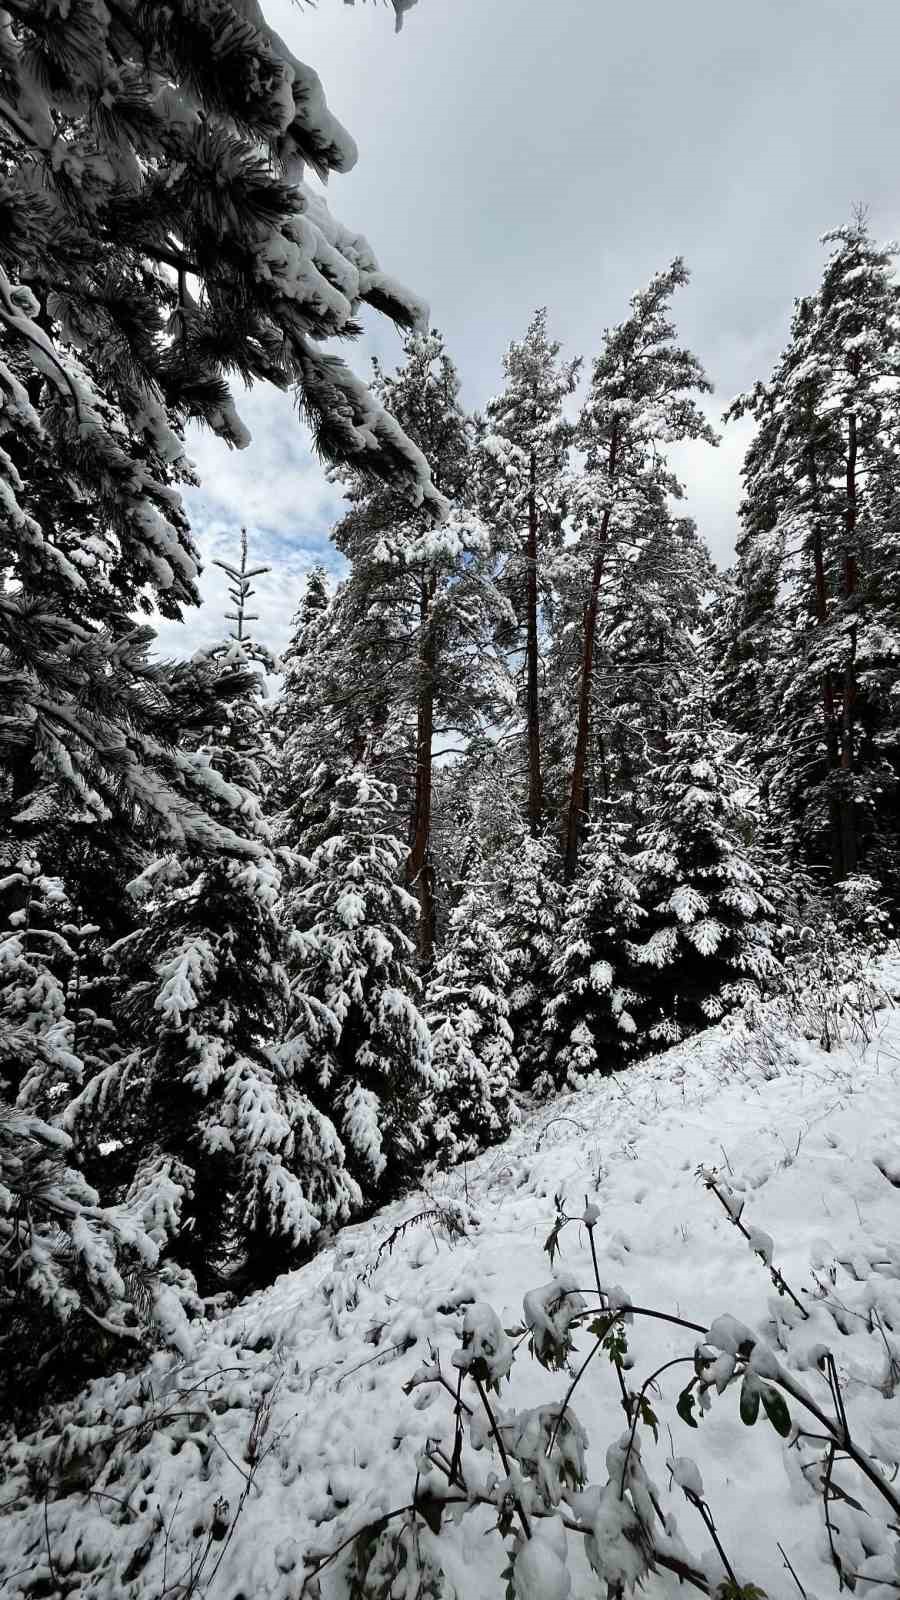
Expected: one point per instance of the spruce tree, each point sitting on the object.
(155, 211)
(526, 874)
(77, 1276)
(408, 659)
(352, 959)
(524, 490)
(640, 399)
(810, 670)
(651, 619)
(707, 935)
(592, 1015)
(468, 1012)
(301, 724)
(211, 1103)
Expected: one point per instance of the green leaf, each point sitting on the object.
(685, 1407)
(616, 1343)
(649, 1417)
(776, 1411)
(431, 1509)
(551, 1244)
(749, 1400)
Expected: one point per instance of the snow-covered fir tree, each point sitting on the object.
(641, 398)
(210, 1104)
(351, 957)
(651, 624)
(413, 661)
(593, 1012)
(78, 1278)
(299, 702)
(810, 669)
(467, 1009)
(153, 251)
(527, 886)
(524, 487)
(706, 941)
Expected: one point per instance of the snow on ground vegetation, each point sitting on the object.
(747, 1182)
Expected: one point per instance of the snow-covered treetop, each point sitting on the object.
(527, 435)
(640, 397)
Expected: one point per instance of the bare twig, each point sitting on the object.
(777, 1277)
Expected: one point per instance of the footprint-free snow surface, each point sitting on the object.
(233, 1474)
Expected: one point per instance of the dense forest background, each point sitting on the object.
(538, 791)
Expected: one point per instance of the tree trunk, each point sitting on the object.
(419, 869)
(848, 708)
(829, 717)
(532, 702)
(829, 708)
(575, 814)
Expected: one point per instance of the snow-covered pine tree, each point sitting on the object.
(173, 233)
(651, 619)
(593, 1012)
(306, 731)
(707, 933)
(647, 648)
(299, 701)
(524, 489)
(205, 1099)
(527, 879)
(640, 399)
(96, 776)
(200, 1094)
(351, 959)
(411, 657)
(154, 238)
(810, 673)
(77, 1277)
(468, 1012)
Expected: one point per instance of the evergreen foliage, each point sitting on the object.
(641, 399)
(592, 1013)
(156, 213)
(406, 657)
(351, 959)
(269, 955)
(707, 937)
(810, 670)
(529, 895)
(468, 1014)
(210, 1102)
(69, 1264)
(524, 488)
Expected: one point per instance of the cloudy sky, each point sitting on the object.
(516, 153)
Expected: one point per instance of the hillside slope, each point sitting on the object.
(229, 1475)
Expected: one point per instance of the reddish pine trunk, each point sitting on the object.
(579, 766)
(532, 702)
(419, 870)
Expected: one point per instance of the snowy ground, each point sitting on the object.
(291, 1429)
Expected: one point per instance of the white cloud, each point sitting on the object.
(280, 493)
(515, 155)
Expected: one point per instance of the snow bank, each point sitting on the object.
(309, 1409)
